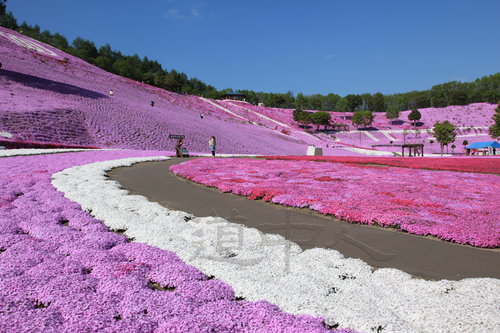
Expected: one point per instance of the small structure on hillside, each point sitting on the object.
(314, 151)
(235, 96)
(483, 148)
(416, 148)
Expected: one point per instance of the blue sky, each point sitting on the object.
(348, 46)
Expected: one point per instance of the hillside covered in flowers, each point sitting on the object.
(50, 97)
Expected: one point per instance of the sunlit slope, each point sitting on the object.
(49, 96)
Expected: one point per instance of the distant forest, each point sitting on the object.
(485, 89)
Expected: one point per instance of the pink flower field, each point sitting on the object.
(486, 165)
(61, 270)
(122, 263)
(458, 207)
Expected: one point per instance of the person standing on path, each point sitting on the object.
(211, 144)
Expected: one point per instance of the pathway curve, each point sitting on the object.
(416, 255)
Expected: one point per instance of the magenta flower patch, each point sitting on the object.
(463, 164)
(459, 207)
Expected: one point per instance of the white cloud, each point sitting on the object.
(195, 12)
(186, 11)
(173, 13)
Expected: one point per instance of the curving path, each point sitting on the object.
(379, 247)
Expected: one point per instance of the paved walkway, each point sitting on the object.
(380, 247)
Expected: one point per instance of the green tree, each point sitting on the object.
(450, 93)
(459, 97)
(321, 118)
(491, 96)
(377, 103)
(315, 102)
(465, 143)
(445, 133)
(392, 112)
(105, 51)
(368, 118)
(366, 101)
(422, 99)
(172, 81)
(486, 89)
(58, 41)
(84, 49)
(158, 78)
(342, 106)
(353, 101)
(302, 117)
(3, 7)
(104, 63)
(306, 119)
(363, 118)
(414, 116)
(301, 101)
(279, 100)
(357, 119)
(128, 67)
(329, 102)
(438, 96)
(8, 21)
(297, 113)
(494, 129)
